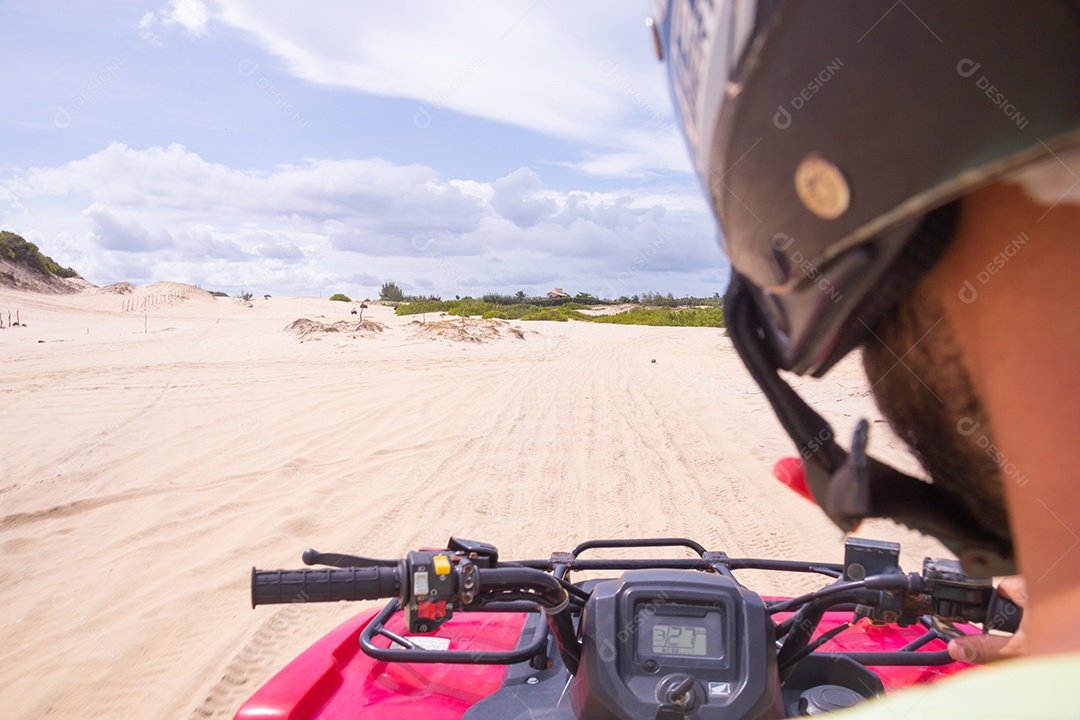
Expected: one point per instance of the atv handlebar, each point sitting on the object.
(668, 636)
(270, 587)
(429, 586)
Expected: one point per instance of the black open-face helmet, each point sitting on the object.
(833, 139)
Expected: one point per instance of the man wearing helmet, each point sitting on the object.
(904, 178)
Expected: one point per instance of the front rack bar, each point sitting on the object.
(537, 646)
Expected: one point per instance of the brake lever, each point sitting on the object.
(945, 628)
(342, 560)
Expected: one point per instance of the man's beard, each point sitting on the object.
(916, 368)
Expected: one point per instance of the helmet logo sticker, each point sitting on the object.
(822, 187)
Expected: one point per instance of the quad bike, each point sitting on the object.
(469, 635)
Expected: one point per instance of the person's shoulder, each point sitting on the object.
(1042, 687)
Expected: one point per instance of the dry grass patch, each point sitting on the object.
(471, 330)
(307, 329)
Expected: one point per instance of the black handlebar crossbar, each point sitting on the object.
(547, 589)
(639, 543)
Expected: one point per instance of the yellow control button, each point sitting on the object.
(442, 565)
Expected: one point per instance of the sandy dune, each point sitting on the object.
(144, 472)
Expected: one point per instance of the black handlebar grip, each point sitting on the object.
(269, 587)
(1003, 614)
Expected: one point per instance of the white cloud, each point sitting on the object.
(166, 213)
(642, 154)
(565, 69)
(146, 24)
(192, 15)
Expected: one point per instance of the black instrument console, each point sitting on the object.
(671, 644)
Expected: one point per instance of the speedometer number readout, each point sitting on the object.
(679, 640)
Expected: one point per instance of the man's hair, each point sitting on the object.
(916, 367)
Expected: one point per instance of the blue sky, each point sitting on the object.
(310, 148)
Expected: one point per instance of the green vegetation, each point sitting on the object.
(558, 314)
(245, 295)
(340, 297)
(390, 291)
(519, 298)
(669, 300)
(19, 250)
(650, 299)
(568, 310)
(488, 310)
(681, 317)
(218, 293)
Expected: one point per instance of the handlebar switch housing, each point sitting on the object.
(428, 584)
(954, 595)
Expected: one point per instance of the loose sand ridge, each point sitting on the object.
(150, 458)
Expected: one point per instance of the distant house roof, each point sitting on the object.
(558, 292)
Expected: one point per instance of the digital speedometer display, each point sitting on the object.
(679, 640)
(670, 630)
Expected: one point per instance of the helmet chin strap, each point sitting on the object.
(851, 486)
